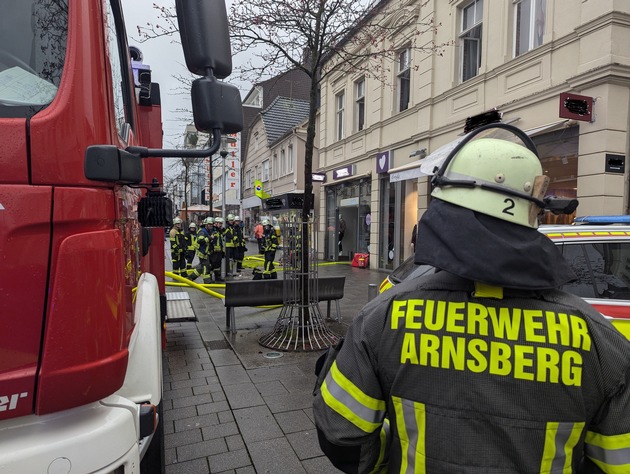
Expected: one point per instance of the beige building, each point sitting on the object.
(521, 57)
(275, 157)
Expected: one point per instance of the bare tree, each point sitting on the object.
(321, 37)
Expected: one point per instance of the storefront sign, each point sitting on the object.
(382, 162)
(345, 172)
(318, 177)
(349, 202)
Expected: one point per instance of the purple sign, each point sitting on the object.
(382, 162)
(344, 172)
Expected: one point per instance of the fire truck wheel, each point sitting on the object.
(153, 461)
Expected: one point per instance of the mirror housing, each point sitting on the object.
(203, 27)
(110, 164)
(215, 105)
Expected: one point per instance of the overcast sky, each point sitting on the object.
(166, 58)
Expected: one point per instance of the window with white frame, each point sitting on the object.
(359, 104)
(529, 24)
(290, 158)
(339, 101)
(470, 39)
(251, 178)
(404, 79)
(248, 179)
(283, 162)
(257, 175)
(265, 170)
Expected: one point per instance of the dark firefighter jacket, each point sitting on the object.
(191, 241)
(203, 244)
(270, 240)
(178, 241)
(445, 375)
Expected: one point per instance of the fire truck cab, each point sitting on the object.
(82, 297)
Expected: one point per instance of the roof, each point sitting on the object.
(282, 115)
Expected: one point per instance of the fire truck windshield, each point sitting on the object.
(33, 37)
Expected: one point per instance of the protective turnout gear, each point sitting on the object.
(191, 247)
(270, 244)
(229, 236)
(178, 249)
(203, 269)
(439, 372)
(494, 176)
(483, 366)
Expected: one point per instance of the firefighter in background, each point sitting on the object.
(216, 249)
(483, 366)
(191, 247)
(270, 244)
(240, 246)
(178, 248)
(203, 269)
(229, 236)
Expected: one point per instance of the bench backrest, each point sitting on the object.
(270, 292)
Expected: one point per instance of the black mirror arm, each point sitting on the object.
(144, 152)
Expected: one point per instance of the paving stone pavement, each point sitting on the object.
(228, 407)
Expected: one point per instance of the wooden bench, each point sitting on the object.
(271, 292)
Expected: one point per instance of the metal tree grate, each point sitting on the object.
(300, 325)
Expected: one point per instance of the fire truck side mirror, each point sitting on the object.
(216, 104)
(203, 26)
(109, 163)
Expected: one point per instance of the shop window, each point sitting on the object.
(558, 153)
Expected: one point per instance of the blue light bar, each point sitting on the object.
(623, 219)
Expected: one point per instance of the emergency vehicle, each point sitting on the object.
(82, 296)
(597, 249)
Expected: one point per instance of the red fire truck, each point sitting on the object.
(82, 297)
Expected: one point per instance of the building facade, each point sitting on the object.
(560, 70)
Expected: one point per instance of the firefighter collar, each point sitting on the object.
(485, 249)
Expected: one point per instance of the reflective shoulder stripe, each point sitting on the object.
(411, 429)
(560, 442)
(344, 397)
(610, 453)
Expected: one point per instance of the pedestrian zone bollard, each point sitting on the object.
(372, 288)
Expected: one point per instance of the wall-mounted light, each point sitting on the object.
(422, 153)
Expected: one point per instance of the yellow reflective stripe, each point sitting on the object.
(352, 389)
(384, 440)
(345, 398)
(610, 453)
(421, 418)
(402, 433)
(560, 442)
(411, 427)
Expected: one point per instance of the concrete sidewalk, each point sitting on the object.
(229, 406)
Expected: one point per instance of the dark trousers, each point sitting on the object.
(179, 263)
(270, 269)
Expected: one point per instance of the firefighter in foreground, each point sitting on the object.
(240, 246)
(178, 248)
(483, 366)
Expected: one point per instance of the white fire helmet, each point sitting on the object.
(496, 177)
(176, 221)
